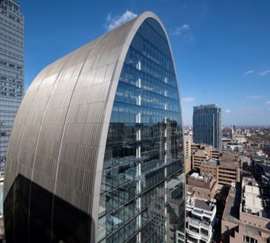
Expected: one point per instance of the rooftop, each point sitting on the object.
(201, 181)
(229, 159)
(210, 106)
(252, 201)
(205, 205)
(214, 162)
(202, 178)
(231, 210)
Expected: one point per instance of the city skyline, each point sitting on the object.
(136, 121)
(221, 49)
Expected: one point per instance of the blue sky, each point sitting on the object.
(221, 48)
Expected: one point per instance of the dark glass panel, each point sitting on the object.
(31, 221)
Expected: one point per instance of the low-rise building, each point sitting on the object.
(234, 147)
(245, 218)
(187, 151)
(266, 149)
(202, 152)
(210, 167)
(239, 138)
(229, 169)
(200, 219)
(200, 208)
(226, 170)
(199, 186)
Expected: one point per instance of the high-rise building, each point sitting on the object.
(11, 69)
(207, 125)
(96, 153)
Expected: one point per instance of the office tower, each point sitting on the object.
(207, 125)
(96, 153)
(11, 69)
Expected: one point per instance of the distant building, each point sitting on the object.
(266, 149)
(229, 169)
(239, 138)
(207, 125)
(226, 170)
(245, 218)
(210, 167)
(227, 132)
(201, 186)
(2, 230)
(202, 152)
(233, 146)
(187, 151)
(11, 69)
(225, 142)
(200, 208)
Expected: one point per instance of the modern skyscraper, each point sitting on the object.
(11, 69)
(96, 153)
(207, 125)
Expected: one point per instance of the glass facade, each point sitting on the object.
(207, 125)
(142, 190)
(11, 69)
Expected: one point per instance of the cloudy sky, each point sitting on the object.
(221, 48)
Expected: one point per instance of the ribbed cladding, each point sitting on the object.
(84, 122)
(26, 126)
(57, 129)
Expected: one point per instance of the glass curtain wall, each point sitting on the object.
(142, 191)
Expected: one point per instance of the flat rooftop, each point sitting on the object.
(252, 201)
(202, 178)
(213, 162)
(229, 160)
(231, 210)
(205, 205)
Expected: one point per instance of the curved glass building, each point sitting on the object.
(96, 153)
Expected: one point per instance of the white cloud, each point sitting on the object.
(255, 97)
(188, 99)
(249, 72)
(228, 111)
(113, 22)
(264, 73)
(182, 30)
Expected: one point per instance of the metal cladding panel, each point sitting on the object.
(66, 100)
(59, 136)
(26, 127)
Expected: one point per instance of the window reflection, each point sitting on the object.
(141, 198)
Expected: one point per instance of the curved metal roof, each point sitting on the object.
(59, 136)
